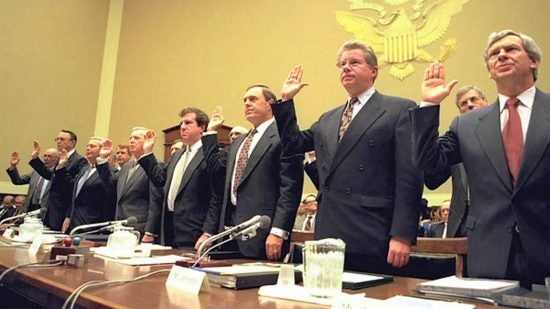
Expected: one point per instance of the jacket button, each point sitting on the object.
(348, 191)
(371, 143)
(361, 167)
(326, 188)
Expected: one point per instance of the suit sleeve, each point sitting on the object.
(154, 170)
(291, 183)
(293, 141)
(41, 169)
(216, 159)
(17, 179)
(156, 200)
(312, 173)
(408, 181)
(108, 178)
(435, 178)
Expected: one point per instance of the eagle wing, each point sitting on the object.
(437, 21)
(362, 27)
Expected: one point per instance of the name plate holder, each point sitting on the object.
(188, 280)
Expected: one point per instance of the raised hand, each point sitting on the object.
(293, 83)
(216, 120)
(14, 160)
(149, 141)
(434, 90)
(35, 149)
(63, 158)
(106, 149)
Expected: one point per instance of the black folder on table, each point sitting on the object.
(247, 280)
(366, 282)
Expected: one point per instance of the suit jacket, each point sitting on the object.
(93, 204)
(369, 188)
(8, 212)
(197, 203)
(32, 180)
(271, 185)
(60, 193)
(312, 173)
(459, 199)
(496, 205)
(437, 229)
(135, 196)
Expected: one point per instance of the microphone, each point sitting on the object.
(31, 213)
(128, 221)
(233, 230)
(250, 231)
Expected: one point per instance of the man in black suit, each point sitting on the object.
(60, 194)
(504, 149)
(369, 190)
(439, 229)
(8, 207)
(136, 195)
(191, 206)
(92, 201)
(37, 194)
(468, 98)
(259, 181)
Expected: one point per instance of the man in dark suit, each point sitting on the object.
(369, 190)
(92, 201)
(504, 149)
(37, 194)
(60, 194)
(136, 195)
(191, 206)
(8, 207)
(467, 98)
(259, 181)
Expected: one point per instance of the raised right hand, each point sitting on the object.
(293, 83)
(14, 160)
(433, 88)
(106, 149)
(216, 120)
(149, 141)
(63, 159)
(35, 149)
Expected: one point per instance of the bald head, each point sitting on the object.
(51, 157)
(8, 200)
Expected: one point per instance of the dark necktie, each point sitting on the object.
(346, 117)
(243, 160)
(512, 138)
(307, 226)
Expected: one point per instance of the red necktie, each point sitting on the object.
(512, 137)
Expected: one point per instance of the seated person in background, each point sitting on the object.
(310, 204)
(236, 132)
(300, 216)
(176, 145)
(439, 229)
(7, 208)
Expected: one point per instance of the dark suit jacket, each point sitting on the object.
(369, 188)
(436, 229)
(60, 193)
(135, 196)
(32, 180)
(312, 173)
(197, 204)
(271, 185)
(496, 205)
(93, 204)
(459, 199)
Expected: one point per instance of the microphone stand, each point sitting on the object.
(34, 212)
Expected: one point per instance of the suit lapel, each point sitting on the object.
(490, 139)
(190, 169)
(366, 117)
(259, 150)
(537, 139)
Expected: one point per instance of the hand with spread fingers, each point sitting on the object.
(293, 83)
(434, 90)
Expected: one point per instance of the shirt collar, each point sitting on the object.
(365, 96)
(196, 146)
(262, 127)
(527, 98)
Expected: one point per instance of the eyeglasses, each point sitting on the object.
(354, 63)
(57, 139)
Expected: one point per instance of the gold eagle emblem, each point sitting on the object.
(397, 37)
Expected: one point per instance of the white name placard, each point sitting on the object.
(188, 280)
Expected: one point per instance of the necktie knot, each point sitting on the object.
(512, 102)
(252, 132)
(353, 101)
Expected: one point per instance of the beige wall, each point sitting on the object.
(204, 53)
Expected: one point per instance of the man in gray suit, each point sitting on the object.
(37, 194)
(258, 180)
(505, 151)
(369, 190)
(136, 195)
(468, 98)
(191, 206)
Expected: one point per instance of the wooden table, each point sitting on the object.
(51, 286)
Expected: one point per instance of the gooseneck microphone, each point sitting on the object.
(30, 213)
(129, 221)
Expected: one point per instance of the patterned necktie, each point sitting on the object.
(512, 138)
(346, 117)
(243, 160)
(177, 177)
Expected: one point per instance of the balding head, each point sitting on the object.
(8, 200)
(51, 157)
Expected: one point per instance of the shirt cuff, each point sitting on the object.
(209, 133)
(100, 161)
(426, 104)
(279, 232)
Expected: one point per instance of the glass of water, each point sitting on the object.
(323, 267)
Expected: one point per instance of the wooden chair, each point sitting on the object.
(297, 239)
(455, 246)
